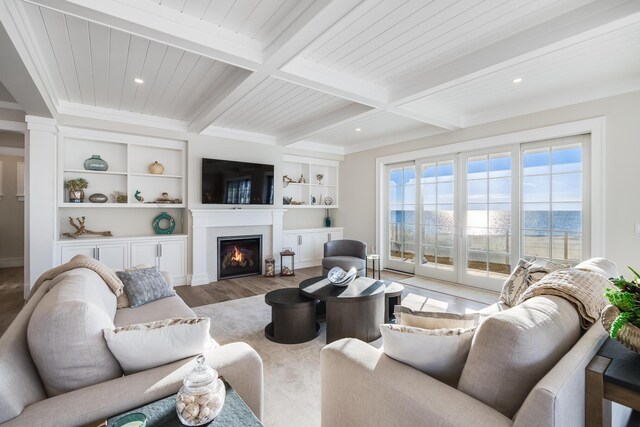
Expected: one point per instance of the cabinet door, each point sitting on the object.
(319, 239)
(114, 255)
(306, 250)
(144, 253)
(68, 252)
(290, 241)
(173, 259)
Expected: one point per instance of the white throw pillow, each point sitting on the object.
(147, 345)
(440, 353)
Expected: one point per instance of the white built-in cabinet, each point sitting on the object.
(168, 253)
(312, 193)
(308, 244)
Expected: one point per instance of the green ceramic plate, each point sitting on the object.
(137, 419)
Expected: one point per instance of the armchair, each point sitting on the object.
(345, 254)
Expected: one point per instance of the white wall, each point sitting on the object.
(622, 245)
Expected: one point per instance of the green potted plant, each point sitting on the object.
(622, 317)
(76, 187)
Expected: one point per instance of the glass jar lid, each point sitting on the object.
(202, 376)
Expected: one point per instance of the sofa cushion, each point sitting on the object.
(165, 308)
(513, 349)
(144, 285)
(440, 353)
(344, 262)
(601, 266)
(147, 345)
(66, 340)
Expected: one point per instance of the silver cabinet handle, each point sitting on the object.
(328, 237)
(94, 254)
(97, 254)
(159, 249)
(299, 240)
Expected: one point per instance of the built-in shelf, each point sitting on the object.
(295, 167)
(128, 157)
(152, 175)
(84, 171)
(122, 205)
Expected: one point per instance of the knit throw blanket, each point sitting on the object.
(584, 289)
(82, 261)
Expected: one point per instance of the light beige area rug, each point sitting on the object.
(291, 371)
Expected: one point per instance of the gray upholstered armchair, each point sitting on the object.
(345, 254)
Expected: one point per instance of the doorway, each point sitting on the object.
(12, 214)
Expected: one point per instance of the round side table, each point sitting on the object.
(375, 259)
(293, 317)
(392, 297)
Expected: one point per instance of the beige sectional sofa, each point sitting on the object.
(24, 401)
(526, 367)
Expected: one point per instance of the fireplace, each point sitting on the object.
(239, 256)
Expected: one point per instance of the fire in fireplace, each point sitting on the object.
(239, 256)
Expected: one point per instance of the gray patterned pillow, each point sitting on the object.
(145, 285)
(524, 275)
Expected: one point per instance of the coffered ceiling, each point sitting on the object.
(311, 72)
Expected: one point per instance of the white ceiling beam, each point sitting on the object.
(349, 113)
(317, 18)
(154, 22)
(594, 19)
(19, 72)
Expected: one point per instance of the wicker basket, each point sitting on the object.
(628, 335)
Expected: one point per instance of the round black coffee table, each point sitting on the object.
(354, 311)
(293, 317)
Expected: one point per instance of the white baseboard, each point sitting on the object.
(11, 262)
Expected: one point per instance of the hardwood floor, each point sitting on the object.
(11, 295)
(11, 292)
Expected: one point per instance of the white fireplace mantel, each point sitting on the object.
(204, 250)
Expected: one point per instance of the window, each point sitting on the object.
(552, 201)
(489, 214)
(401, 211)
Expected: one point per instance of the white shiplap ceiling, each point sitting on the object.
(312, 71)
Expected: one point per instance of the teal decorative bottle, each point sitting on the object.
(95, 163)
(327, 220)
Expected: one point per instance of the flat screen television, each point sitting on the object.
(226, 182)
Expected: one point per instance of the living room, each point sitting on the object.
(300, 190)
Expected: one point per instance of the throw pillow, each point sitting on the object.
(435, 320)
(144, 286)
(147, 345)
(123, 299)
(440, 353)
(66, 340)
(524, 275)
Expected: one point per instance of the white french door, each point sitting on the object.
(437, 222)
(400, 217)
(488, 216)
(451, 218)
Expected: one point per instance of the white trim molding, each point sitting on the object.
(12, 151)
(9, 126)
(596, 127)
(10, 105)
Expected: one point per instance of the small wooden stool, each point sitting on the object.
(293, 317)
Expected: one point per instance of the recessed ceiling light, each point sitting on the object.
(517, 80)
(138, 80)
(358, 129)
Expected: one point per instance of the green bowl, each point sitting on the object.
(136, 417)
